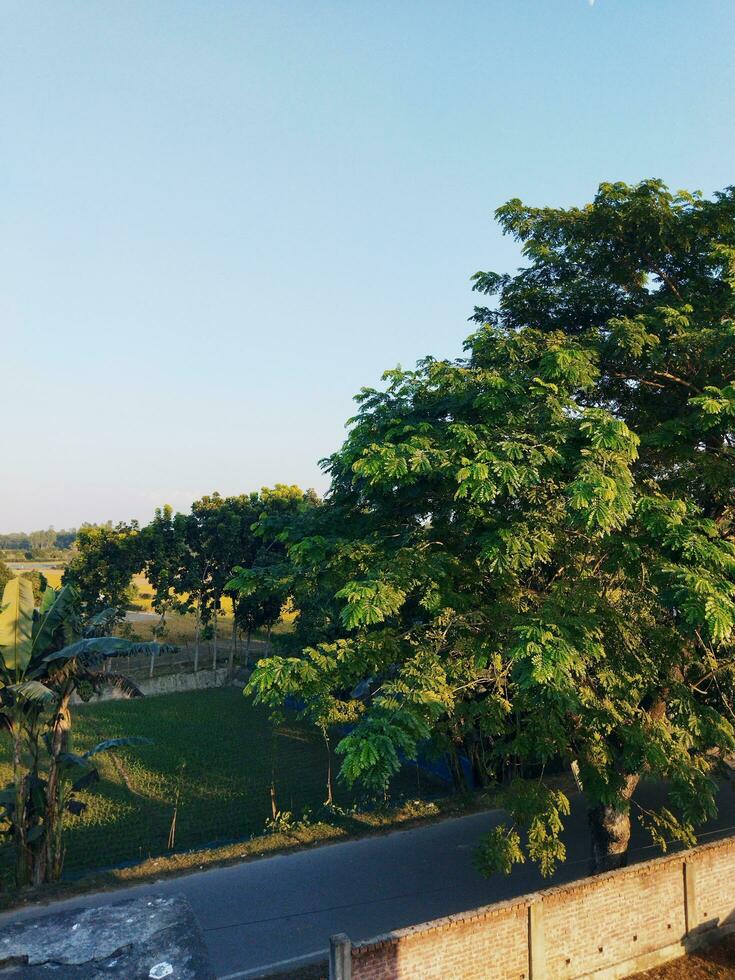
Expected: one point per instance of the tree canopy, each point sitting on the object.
(527, 556)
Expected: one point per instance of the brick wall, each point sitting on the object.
(458, 946)
(604, 927)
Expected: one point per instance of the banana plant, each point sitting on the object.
(47, 654)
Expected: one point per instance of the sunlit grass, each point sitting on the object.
(214, 753)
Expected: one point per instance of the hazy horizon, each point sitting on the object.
(222, 220)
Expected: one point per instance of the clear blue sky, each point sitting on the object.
(221, 219)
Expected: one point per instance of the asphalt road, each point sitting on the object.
(285, 908)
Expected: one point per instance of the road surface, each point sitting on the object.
(284, 908)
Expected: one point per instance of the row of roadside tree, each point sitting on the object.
(527, 555)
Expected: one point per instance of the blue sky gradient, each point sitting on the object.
(221, 219)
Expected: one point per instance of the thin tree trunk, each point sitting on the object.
(610, 830)
(249, 636)
(231, 664)
(473, 748)
(274, 806)
(197, 632)
(214, 639)
(329, 800)
(455, 767)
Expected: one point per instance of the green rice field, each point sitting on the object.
(210, 767)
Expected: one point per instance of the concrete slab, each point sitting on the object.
(151, 938)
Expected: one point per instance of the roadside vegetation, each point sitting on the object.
(206, 778)
(528, 553)
(51, 653)
(525, 564)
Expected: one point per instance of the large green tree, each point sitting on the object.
(103, 566)
(528, 552)
(169, 568)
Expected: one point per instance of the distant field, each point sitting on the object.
(213, 750)
(52, 571)
(181, 628)
(53, 577)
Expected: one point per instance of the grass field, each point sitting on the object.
(214, 752)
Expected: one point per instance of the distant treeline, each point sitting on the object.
(38, 540)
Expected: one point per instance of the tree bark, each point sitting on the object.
(197, 633)
(610, 830)
(233, 647)
(330, 798)
(455, 768)
(214, 638)
(474, 750)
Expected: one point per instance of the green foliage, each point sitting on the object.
(374, 749)
(46, 655)
(39, 543)
(528, 553)
(541, 810)
(16, 627)
(102, 568)
(499, 851)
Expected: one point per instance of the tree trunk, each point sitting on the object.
(214, 638)
(249, 636)
(455, 768)
(610, 830)
(233, 648)
(330, 799)
(196, 634)
(474, 750)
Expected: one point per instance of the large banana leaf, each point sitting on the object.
(55, 607)
(107, 646)
(32, 691)
(47, 600)
(68, 759)
(16, 626)
(100, 623)
(117, 743)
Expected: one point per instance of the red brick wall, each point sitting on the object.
(600, 922)
(458, 946)
(609, 925)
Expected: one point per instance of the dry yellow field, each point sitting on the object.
(180, 628)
